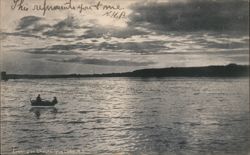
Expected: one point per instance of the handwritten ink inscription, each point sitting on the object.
(111, 10)
(115, 14)
(19, 5)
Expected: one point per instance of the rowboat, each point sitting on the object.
(43, 103)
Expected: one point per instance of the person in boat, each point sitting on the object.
(54, 100)
(38, 98)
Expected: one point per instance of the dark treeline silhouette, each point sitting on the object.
(231, 70)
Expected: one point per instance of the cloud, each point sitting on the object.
(27, 21)
(33, 26)
(133, 47)
(21, 34)
(192, 15)
(67, 49)
(72, 27)
(154, 28)
(100, 32)
(60, 33)
(70, 47)
(136, 47)
(69, 22)
(50, 51)
(64, 28)
(103, 62)
(30, 25)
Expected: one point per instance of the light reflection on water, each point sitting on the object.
(128, 115)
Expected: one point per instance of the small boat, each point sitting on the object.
(43, 103)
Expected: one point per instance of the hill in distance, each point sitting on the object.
(231, 70)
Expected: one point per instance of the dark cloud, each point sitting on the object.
(63, 28)
(69, 22)
(181, 15)
(144, 48)
(193, 15)
(21, 34)
(40, 28)
(31, 25)
(60, 33)
(100, 32)
(103, 62)
(136, 47)
(49, 51)
(67, 27)
(27, 21)
(70, 47)
(67, 48)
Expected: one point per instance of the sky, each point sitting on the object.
(139, 34)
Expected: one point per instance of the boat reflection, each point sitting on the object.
(39, 110)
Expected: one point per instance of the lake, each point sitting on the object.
(127, 116)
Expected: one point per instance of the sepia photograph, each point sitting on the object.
(124, 77)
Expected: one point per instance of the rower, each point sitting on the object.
(38, 98)
(54, 100)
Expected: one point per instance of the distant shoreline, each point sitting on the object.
(231, 70)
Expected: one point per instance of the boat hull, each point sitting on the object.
(42, 103)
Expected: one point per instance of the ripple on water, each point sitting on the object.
(85, 112)
(76, 122)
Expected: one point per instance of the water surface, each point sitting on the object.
(128, 116)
